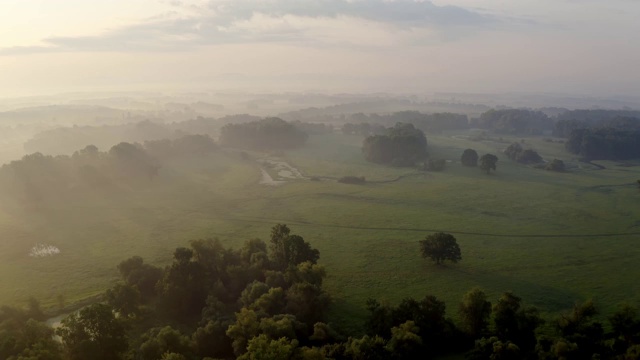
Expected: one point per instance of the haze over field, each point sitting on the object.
(403, 46)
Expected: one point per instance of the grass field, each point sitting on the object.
(552, 238)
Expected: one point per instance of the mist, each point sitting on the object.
(406, 179)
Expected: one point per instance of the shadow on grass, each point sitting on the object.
(347, 317)
(545, 298)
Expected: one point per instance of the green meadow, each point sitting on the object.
(551, 238)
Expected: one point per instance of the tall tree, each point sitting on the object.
(290, 250)
(474, 312)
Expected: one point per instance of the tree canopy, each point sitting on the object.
(402, 145)
(514, 121)
(440, 247)
(469, 158)
(488, 162)
(517, 153)
(268, 134)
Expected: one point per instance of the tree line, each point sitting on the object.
(604, 143)
(433, 122)
(37, 177)
(266, 134)
(514, 121)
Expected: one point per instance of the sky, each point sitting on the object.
(577, 47)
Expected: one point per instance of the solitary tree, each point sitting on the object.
(469, 158)
(488, 162)
(439, 247)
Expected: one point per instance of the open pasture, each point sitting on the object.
(552, 238)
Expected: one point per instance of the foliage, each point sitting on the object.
(488, 162)
(125, 299)
(290, 250)
(267, 134)
(586, 119)
(440, 247)
(469, 158)
(517, 153)
(514, 322)
(263, 348)
(604, 144)
(23, 337)
(141, 276)
(402, 145)
(157, 342)
(93, 333)
(514, 121)
(434, 123)
(474, 312)
(38, 178)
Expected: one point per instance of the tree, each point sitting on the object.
(405, 343)
(290, 250)
(488, 162)
(263, 348)
(125, 299)
(439, 247)
(93, 333)
(402, 145)
(469, 158)
(474, 312)
(159, 341)
(514, 322)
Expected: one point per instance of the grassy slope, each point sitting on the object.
(367, 234)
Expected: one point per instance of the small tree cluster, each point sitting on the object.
(517, 153)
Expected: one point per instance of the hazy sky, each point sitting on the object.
(402, 46)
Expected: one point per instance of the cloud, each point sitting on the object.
(312, 22)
